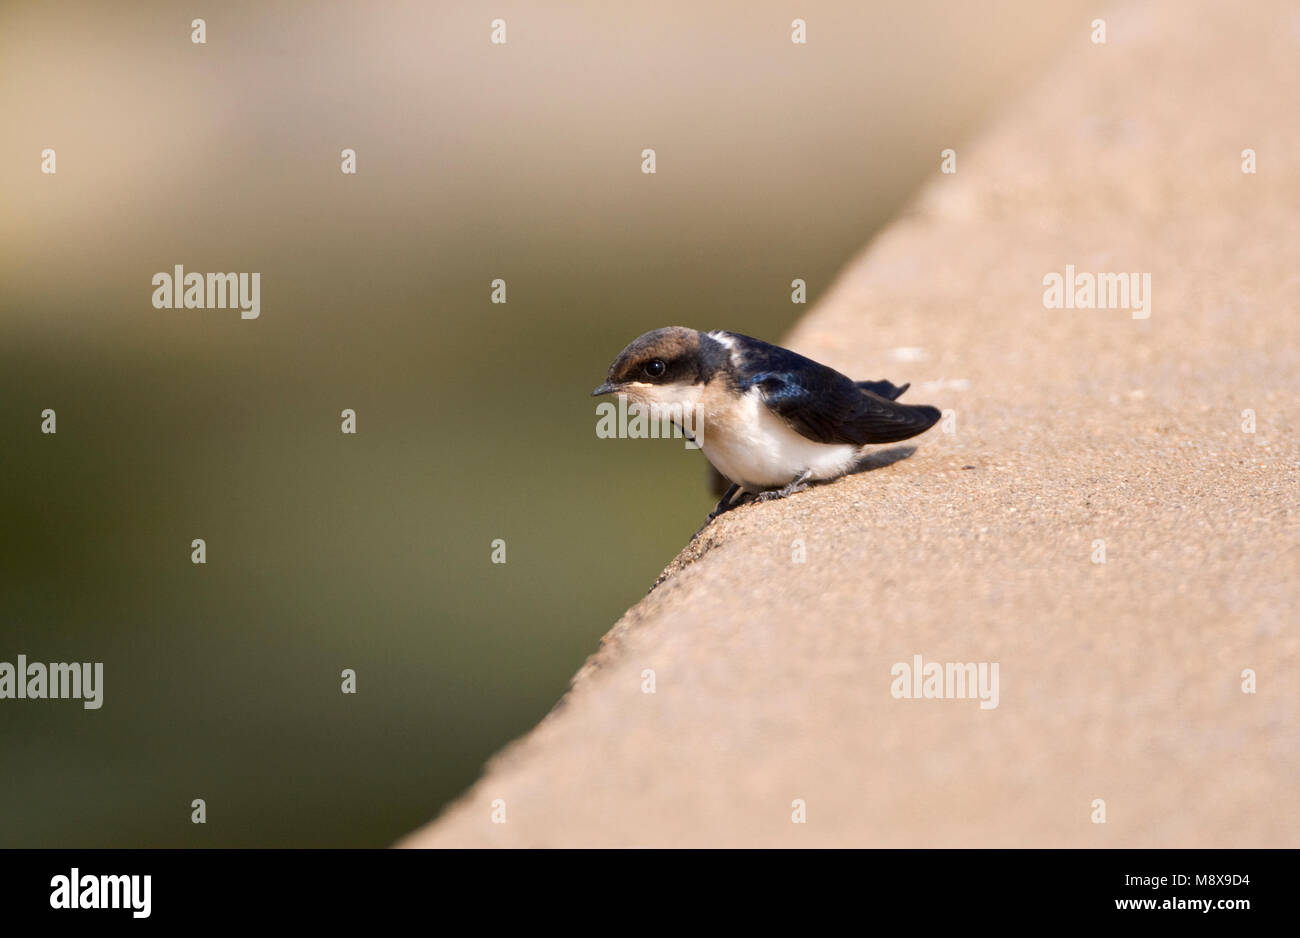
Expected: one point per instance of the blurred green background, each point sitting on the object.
(372, 552)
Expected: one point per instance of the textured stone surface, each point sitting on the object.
(1119, 681)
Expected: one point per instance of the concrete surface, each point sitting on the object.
(1119, 681)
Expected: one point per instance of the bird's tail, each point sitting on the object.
(885, 389)
(881, 419)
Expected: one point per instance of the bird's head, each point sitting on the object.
(661, 367)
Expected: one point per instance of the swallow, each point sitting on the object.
(769, 420)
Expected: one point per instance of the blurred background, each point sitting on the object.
(372, 552)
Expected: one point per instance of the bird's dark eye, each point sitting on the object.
(655, 368)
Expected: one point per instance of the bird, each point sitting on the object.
(769, 420)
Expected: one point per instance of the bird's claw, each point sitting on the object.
(774, 494)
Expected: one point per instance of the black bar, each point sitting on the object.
(926, 887)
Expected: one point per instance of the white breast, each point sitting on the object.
(750, 445)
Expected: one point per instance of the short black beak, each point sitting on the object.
(605, 388)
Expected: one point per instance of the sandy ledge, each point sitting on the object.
(1118, 681)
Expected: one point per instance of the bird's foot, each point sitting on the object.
(775, 494)
(796, 485)
(725, 503)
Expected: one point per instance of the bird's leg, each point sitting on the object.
(798, 484)
(722, 505)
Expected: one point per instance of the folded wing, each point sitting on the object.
(833, 409)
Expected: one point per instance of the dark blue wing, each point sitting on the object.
(823, 405)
